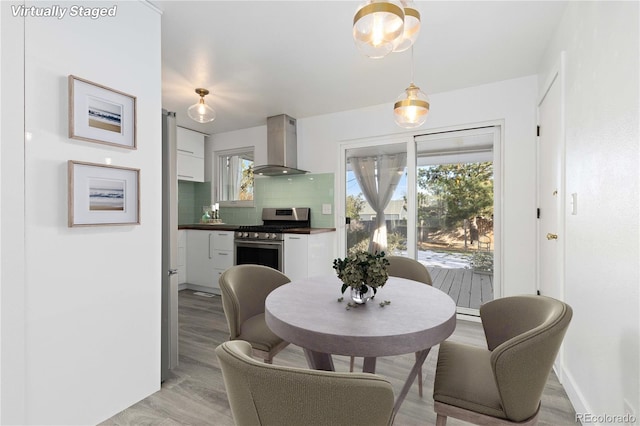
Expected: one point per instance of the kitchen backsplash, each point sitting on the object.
(309, 190)
(192, 196)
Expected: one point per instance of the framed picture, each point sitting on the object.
(103, 195)
(100, 114)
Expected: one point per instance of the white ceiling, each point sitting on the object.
(263, 58)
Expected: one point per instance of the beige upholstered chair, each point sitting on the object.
(244, 289)
(411, 269)
(502, 385)
(262, 394)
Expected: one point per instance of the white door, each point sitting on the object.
(169, 328)
(551, 190)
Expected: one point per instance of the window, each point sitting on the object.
(235, 177)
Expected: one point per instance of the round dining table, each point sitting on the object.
(311, 314)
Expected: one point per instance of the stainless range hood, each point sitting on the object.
(282, 150)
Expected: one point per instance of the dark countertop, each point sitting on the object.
(225, 227)
(210, 227)
(308, 230)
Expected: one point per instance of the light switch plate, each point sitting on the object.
(326, 209)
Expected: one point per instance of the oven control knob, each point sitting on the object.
(245, 234)
(273, 236)
(256, 235)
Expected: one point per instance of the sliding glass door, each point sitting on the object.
(455, 213)
(431, 197)
(376, 201)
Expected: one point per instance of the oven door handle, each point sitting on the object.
(258, 243)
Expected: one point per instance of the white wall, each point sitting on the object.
(12, 265)
(602, 274)
(91, 295)
(512, 101)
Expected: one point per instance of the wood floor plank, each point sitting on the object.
(194, 394)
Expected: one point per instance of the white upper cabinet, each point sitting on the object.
(190, 155)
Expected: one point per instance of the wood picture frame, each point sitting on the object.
(102, 194)
(100, 114)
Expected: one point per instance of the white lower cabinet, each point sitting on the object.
(296, 260)
(222, 252)
(308, 255)
(209, 253)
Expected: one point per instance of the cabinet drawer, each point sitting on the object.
(222, 259)
(216, 276)
(223, 240)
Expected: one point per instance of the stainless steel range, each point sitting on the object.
(264, 244)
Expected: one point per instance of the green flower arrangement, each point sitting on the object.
(362, 268)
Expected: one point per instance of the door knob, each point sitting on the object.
(552, 236)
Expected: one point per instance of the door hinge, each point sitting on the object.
(538, 212)
(538, 131)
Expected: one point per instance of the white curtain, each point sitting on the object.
(378, 178)
(235, 175)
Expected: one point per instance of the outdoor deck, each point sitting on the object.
(466, 288)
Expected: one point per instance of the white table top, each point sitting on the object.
(307, 313)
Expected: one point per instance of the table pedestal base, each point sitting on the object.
(319, 360)
(324, 361)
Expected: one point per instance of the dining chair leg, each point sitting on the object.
(419, 377)
(441, 420)
(351, 364)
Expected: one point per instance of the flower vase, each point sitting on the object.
(361, 294)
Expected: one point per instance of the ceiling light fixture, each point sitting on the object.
(201, 112)
(377, 27)
(412, 106)
(411, 27)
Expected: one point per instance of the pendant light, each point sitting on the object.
(411, 27)
(377, 27)
(412, 106)
(201, 112)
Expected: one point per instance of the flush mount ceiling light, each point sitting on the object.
(411, 27)
(201, 112)
(412, 106)
(377, 26)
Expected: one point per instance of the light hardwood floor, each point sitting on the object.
(195, 394)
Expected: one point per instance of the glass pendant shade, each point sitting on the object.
(201, 112)
(411, 27)
(377, 27)
(411, 108)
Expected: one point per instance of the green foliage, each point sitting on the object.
(456, 191)
(355, 204)
(396, 240)
(482, 262)
(246, 183)
(362, 268)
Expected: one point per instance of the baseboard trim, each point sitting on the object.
(466, 317)
(201, 288)
(576, 397)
